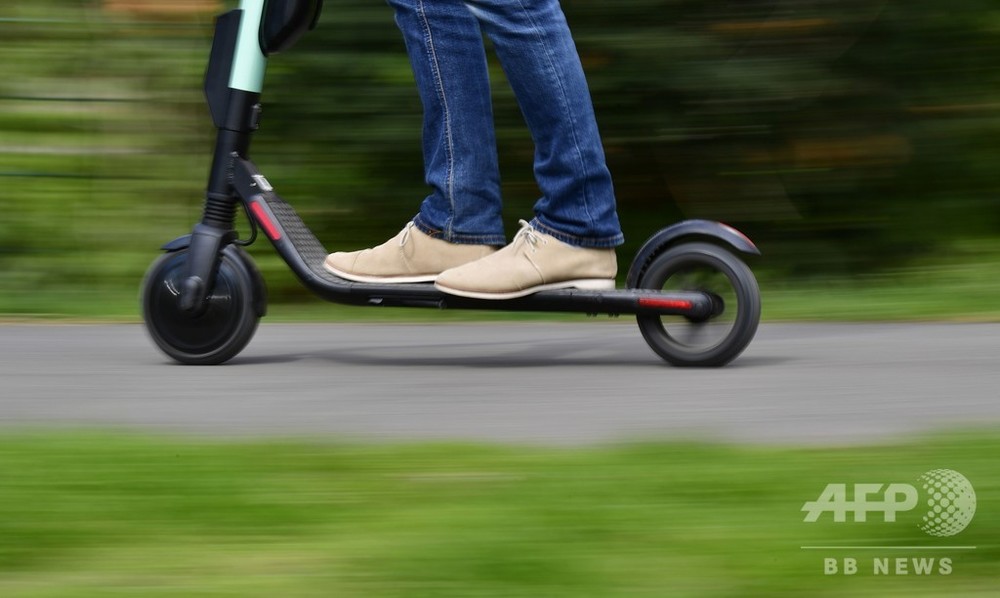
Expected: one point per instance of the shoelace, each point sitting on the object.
(406, 233)
(529, 234)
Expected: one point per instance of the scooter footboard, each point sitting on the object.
(305, 254)
(293, 240)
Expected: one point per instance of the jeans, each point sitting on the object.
(444, 40)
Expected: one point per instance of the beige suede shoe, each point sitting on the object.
(410, 256)
(532, 262)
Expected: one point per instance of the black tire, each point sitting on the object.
(220, 330)
(714, 341)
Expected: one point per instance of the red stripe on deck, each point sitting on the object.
(264, 219)
(665, 303)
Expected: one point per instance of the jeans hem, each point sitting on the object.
(495, 240)
(577, 241)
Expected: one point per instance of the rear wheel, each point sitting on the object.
(712, 341)
(218, 331)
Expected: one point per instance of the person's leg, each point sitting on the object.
(536, 49)
(446, 51)
(460, 220)
(571, 239)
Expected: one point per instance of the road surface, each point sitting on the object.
(542, 383)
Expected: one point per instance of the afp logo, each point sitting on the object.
(948, 505)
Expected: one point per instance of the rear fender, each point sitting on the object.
(687, 229)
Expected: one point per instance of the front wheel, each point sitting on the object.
(711, 269)
(218, 331)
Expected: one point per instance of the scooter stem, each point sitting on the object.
(233, 82)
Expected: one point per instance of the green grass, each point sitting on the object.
(948, 292)
(99, 514)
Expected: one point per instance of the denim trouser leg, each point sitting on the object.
(446, 51)
(539, 57)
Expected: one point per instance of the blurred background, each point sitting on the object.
(853, 140)
(856, 141)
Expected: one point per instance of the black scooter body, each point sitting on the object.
(182, 298)
(304, 254)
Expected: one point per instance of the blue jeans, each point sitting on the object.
(444, 39)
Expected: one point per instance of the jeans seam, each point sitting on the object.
(439, 84)
(565, 107)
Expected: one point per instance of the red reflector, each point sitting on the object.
(665, 303)
(260, 213)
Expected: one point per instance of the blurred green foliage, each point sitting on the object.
(845, 136)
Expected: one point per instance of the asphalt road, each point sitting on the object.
(525, 382)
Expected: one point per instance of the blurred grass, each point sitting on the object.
(97, 514)
(963, 285)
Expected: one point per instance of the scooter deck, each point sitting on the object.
(305, 255)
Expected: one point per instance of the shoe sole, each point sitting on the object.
(584, 284)
(379, 279)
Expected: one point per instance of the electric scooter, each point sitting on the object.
(696, 301)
